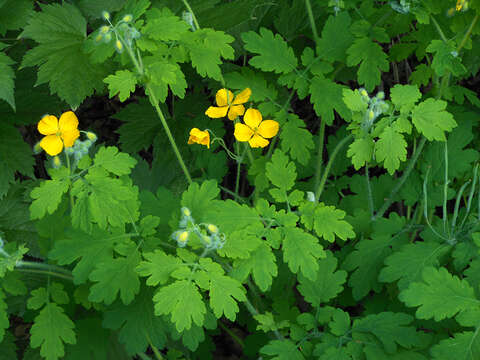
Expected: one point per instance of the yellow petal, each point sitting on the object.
(216, 112)
(224, 97)
(235, 110)
(68, 121)
(69, 137)
(243, 97)
(268, 128)
(242, 132)
(52, 144)
(258, 141)
(199, 137)
(48, 125)
(252, 118)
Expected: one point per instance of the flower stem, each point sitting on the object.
(45, 269)
(329, 165)
(321, 141)
(194, 18)
(312, 20)
(70, 174)
(369, 191)
(154, 102)
(468, 33)
(232, 334)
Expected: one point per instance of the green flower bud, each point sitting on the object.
(186, 212)
(182, 237)
(56, 162)
(106, 15)
(105, 29)
(127, 18)
(212, 228)
(119, 46)
(91, 136)
(381, 95)
(99, 38)
(107, 38)
(371, 114)
(37, 149)
(363, 92)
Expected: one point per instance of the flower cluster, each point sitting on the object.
(376, 107)
(207, 235)
(254, 130)
(125, 33)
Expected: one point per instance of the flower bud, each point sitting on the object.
(119, 46)
(182, 237)
(127, 18)
(37, 149)
(107, 38)
(371, 114)
(212, 228)
(381, 95)
(88, 143)
(186, 212)
(56, 162)
(99, 38)
(106, 15)
(91, 136)
(105, 29)
(363, 92)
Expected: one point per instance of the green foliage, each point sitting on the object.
(431, 119)
(122, 83)
(60, 32)
(7, 76)
(391, 148)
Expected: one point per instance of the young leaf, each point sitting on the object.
(183, 301)
(281, 172)
(60, 31)
(50, 330)
(431, 119)
(122, 83)
(199, 198)
(6, 80)
(372, 61)
(391, 148)
(340, 323)
(273, 52)
(441, 295)
(134, 321)
(113, 161)
(157, 267)
(361, 151)
(115, 276)
(407, 264)
(404, 97)
(282, 350)
(224, 293)
(301, 252)
(91, 249)
(296, 140)
(261, 264)
(390, 328)
(326, 284)
(162, 25)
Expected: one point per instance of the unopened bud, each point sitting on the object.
(371, 114)
(56, 162)
(91, 136)
(106, 15)
(119, 46)
(127, 18)
(107, 37)
(99, 38)
(105, 29)
(363, 92)
(183, 237)
(186, 212)
(381, 95)
(37, 149)
(212, 228)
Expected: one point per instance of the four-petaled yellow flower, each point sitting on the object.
(59, 133)
(255, 131)
(198, 136)
(228, 104)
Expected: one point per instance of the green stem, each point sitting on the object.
(369, 191)
(401, 181)
(187, 5)
(251, 309)
(72, 203)
(439, 29)
(157, 354)
(45, 269)
(312, 21)
(232, 335)
(329, 165)
(468, 33)
(154, 102)
(321, 140)
(445, 192)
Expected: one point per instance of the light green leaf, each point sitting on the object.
(261, 264)
(224, 293)
(164, 74)
(183, 301)
(162, 25)
(60, 31)
(50, 330)
(199, 198)
(431, 119)
(404, 97)
(113, 161)
(361, 151)
(9, 263)
(282, 350)
(6, 80)
(421, 75)
(301, 252)
(326, 284)
(445, 61)
(391, 148)
(262, 90)
(354, 100)
(441, 295)
(47, 197)
(281, 172)
(372, 61)
(115, 276)
(273, 52)
(296, 139)
(157, 267)
(122, 83)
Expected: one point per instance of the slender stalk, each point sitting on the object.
(72, 203)
(312, 21)
(329, 165)
(445, 192)
(439, 29)
(232, 334)
(44, 269)
(321, 140)
(157, 354)
(154, 102)
(369, 191)
(401, 181)
(194, 18)
(468, 33)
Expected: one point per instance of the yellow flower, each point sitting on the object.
(59, 133)
(228, 104)
(199, 137)
(255, 131)
(461, 4)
